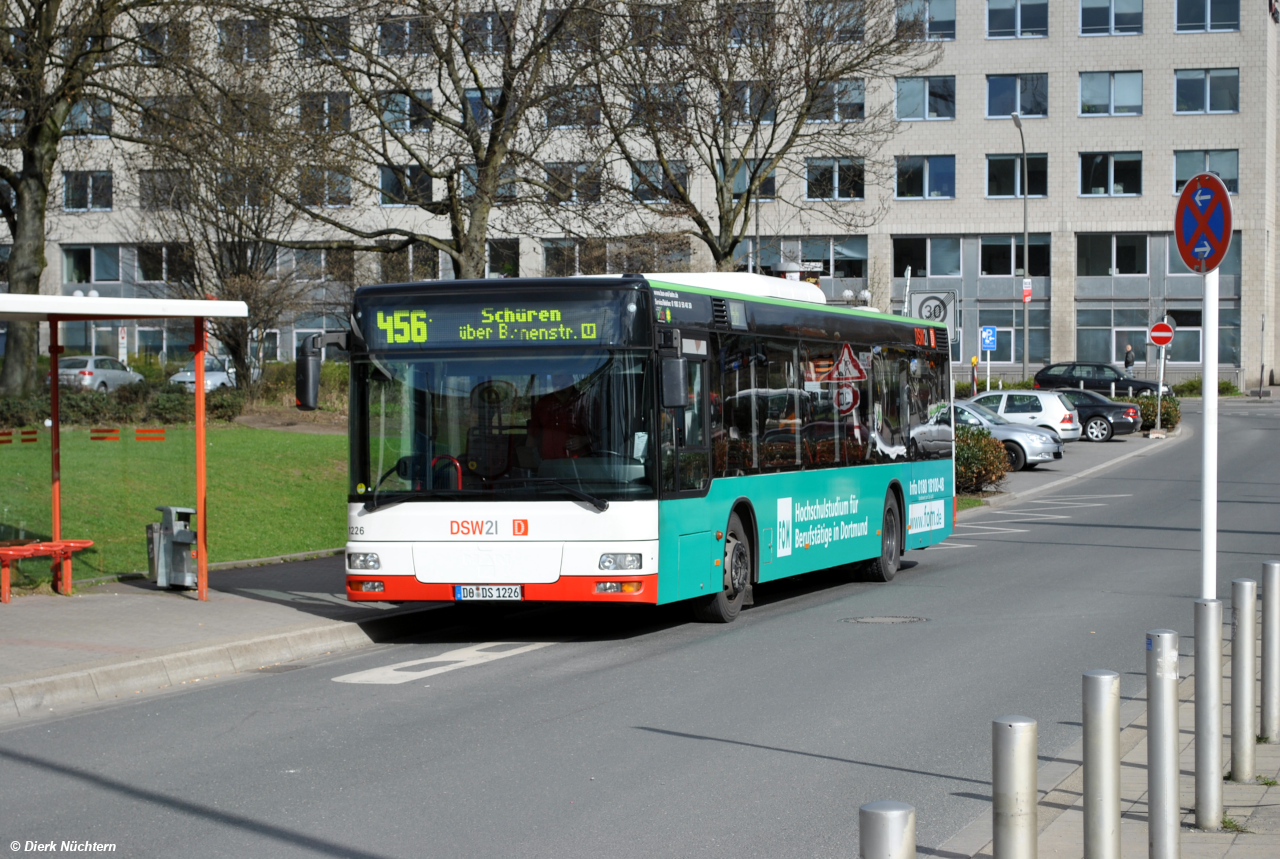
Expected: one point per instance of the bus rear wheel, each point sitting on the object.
(724, 606)
(885, 567)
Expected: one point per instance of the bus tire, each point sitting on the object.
(885, 567)
(724, 606)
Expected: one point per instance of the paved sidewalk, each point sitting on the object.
(1252, 810)
(128, 637)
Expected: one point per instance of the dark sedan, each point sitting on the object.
(1094, 377)
(1102, 418)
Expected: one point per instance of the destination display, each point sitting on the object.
(426, 323)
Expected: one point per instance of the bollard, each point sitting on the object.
(1271, 651)
(1209, 715)
(1100, 708)
(1113, 390)
(887, 830)
(1244, 606)
(1013, 787)
(1162, 744)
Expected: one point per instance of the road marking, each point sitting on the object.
(312, 598)
(463, 657)
(1037, 510)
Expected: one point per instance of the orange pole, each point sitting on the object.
(202, 506)
(61, 577)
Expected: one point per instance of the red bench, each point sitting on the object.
(59, 550)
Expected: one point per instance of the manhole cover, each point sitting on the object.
(883, 619)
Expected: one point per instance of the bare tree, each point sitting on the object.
(59, 60)
(713, 104)
(468, 111)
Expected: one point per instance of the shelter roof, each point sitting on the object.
(40, 307)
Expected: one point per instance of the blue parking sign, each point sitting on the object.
(988, 338)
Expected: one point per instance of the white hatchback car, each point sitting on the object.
(1043, 409)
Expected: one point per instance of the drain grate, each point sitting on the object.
(889, 619)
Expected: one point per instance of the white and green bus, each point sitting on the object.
(643, 439)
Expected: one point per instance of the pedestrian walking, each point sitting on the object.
(1129, 357)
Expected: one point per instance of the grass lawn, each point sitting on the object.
(967, 502)
(270, 493)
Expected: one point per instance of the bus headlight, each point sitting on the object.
(619, 587)
(620, 561)
(363, 561)
(367, 587)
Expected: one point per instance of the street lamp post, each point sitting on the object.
(1026, 250)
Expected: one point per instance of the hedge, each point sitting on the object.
(1170, 411)
(981, 461)
(138, 403)
(1194, 387)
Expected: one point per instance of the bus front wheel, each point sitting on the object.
(885, 567)
(724, 606)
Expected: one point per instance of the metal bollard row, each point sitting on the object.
(1270, 728)
(1162, 744)
(1208, 728)
(1244, 629)
(887, 830)
(1100, 711)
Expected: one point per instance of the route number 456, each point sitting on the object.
(404, 326)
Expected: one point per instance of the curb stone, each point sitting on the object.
(27, 696)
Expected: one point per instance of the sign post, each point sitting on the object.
(1202, 230)
(988, 345)
(1160, 334)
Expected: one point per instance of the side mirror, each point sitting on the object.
(307, 375)
(675, 393)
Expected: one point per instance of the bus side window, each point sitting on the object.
(694, 465)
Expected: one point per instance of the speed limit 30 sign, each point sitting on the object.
(935, 307)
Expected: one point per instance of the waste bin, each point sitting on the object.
(171, 548)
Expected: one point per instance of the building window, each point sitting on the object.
(1223, 162)
(480, 105)
(486, 32)
(768, 185)
(752, 102)
(171, 263)
(651, 184)
(842, 22)
(927, 98)
(12, 121)
(1206, 91)
(1008, 325)
(159, 115)
(1101, 337)
(1107, 255)
(407, 111)
(1110, 174)
(324, 264)
(749, 23)
(508, 183)
(244, 40)
(415, 262)
(1110, 93)
(242, 189)
(1110, 17)
(1004, 175)
(404, 185)
(5, 251)
(835, 179)
(99, 264)
(926, 177)
(838, 256)
(937, 256)
(160, 40)
(161, 189)
(322, 112)
(1230, 264)
(91, 116)
(318, 187)
(579, 29)
(569, 257)
(84, 190)
(658, 105)
(936, 19)
(1017, 19)
(405, 36)
(841, 101)
(1025, 95)
(574, 107)
(572, 182)
(1001, 256)
(1198, 16)
(319, 38)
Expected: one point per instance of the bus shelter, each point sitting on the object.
(56, 309)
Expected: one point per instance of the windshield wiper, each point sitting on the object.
(372, 504)
(594, 500)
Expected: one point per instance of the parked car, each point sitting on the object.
(1101, 417)
(1096, 377)
(217, 374)
(1024, 446)
(1044, 409)
(95, 373)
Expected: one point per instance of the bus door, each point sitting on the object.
(686, 473)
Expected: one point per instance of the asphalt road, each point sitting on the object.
(633, 733)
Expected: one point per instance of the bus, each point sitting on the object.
(634, 439)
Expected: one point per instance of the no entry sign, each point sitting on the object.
(1160, 334)
(1202, 223)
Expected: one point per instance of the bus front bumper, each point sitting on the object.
(360, 588)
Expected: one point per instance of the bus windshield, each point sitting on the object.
(489, 427)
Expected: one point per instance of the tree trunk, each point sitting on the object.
(27, 263)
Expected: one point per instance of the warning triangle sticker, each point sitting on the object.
(847, 368)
